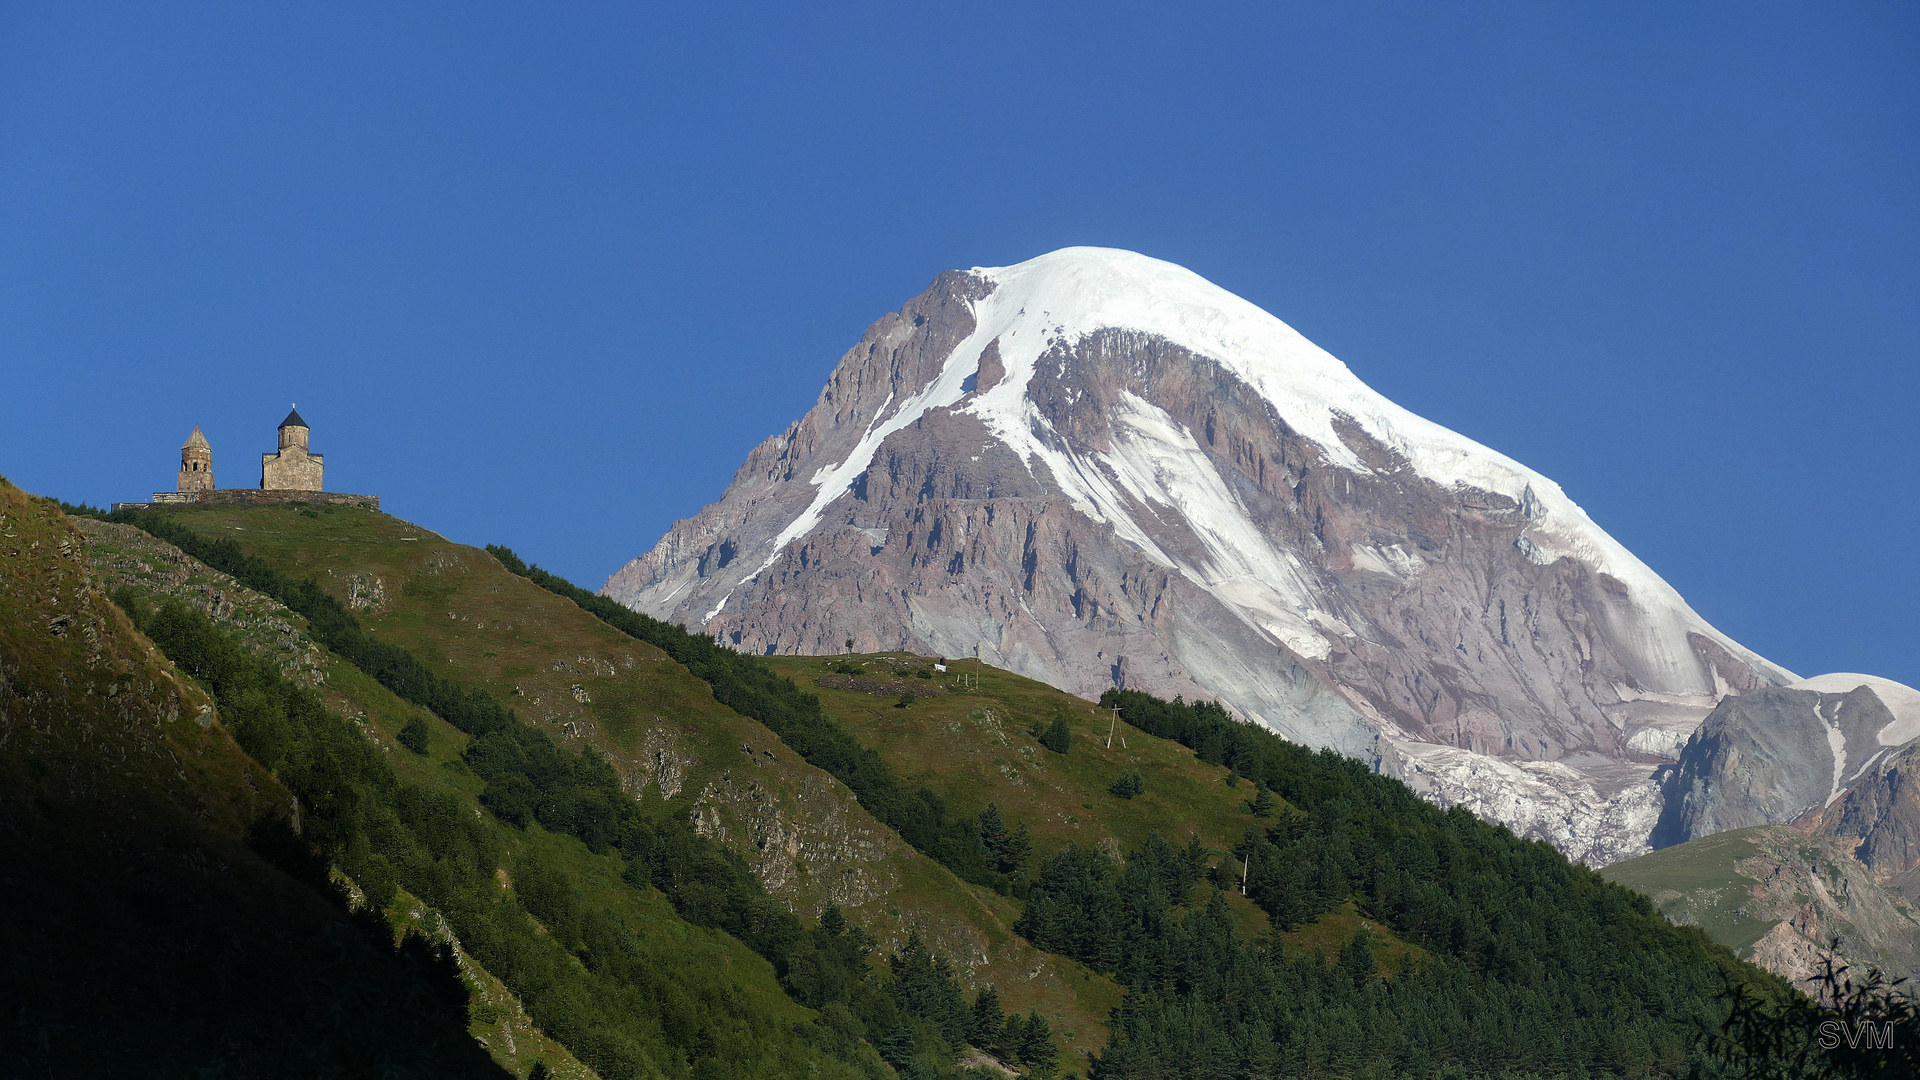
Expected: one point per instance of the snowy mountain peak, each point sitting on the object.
(1059, 299)
(1096, 467)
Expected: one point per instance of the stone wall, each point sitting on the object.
(292, 469)
(168, 500)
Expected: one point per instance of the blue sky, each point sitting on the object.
(542, 274)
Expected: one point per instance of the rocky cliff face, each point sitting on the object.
(1833, 754)
(1779, 897)
(1820, 775)
(1096, 468)
(1878, 818)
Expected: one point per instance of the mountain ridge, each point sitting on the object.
(1100, 470)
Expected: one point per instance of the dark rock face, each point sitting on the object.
(1123, 502)
(1772, 756)
(1879, 816)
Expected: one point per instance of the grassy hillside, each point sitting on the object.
(973, 735)
(1529, 965)
(142, 932)
(680, 995)
(676, 750)
(1699, 883)
(125, 556)
(1267, 909)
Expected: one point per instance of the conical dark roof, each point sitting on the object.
(293, 420)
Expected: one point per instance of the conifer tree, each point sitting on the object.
(1195, 854)
(833, 920)
(1356, 958)
(989, 1020)
(1013, 1035)
(1058, 737)
(924, 986)
(1016, 850)
(1262, 802)
(993, 833)
(1036, 1045)
(413, 735)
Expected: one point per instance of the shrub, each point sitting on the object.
(1057, 738)
(413, 735)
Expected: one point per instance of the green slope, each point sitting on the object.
(607, 966)
(972, 734)
(1521, 963)
(1373, 933)
(674, 748)
(141, 933)
(1699, 883)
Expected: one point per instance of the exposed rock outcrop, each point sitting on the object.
(1780, 897)
(1833, 753)
(1766, 757)
(124, 555)
(1878, 817)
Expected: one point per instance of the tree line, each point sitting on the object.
(1531, 964)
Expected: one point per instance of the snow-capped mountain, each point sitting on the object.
(1097, 467)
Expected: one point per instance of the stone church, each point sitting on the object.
(291, 474)
(293, 468)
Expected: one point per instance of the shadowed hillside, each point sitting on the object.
(672, 755)
(144, 932)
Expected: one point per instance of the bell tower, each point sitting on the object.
(294, 431)
(196, 464)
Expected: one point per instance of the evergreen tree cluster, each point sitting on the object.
(1530, 963)
(1007, 850)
